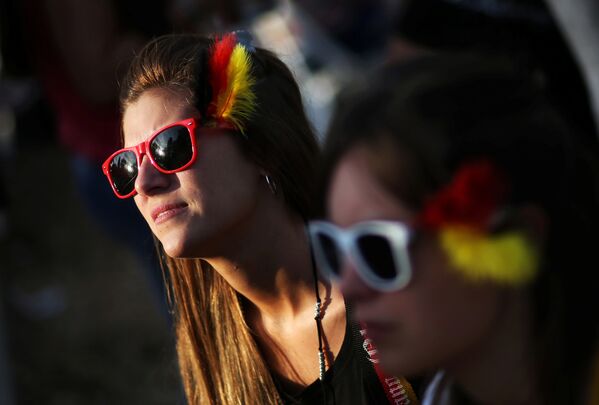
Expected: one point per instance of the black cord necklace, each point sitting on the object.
(318, 315)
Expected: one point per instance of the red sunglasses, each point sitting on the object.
(170, 149)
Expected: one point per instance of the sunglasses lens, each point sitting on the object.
(172, 149)
(378, 255)
(330, 253)
(123, 171)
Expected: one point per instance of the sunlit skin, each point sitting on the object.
(221, 188)
(440, 320)
(222, 210)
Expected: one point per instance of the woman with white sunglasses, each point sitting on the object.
(463, 219)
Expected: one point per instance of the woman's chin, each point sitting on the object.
(174, 249)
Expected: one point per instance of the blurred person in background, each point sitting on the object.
(206, 16)
(79, 51)
(557, 40)
(526, 30)
(577, 19)
(19, 102)
(462, 214)
(327, 44)
(220, 159)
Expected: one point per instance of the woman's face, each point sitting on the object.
(438, 319)
(192, 212)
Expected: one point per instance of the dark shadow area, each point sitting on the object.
(83, 326)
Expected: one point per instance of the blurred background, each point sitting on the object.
(83, 312)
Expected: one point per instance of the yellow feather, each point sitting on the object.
(237, 103)
(506, 258)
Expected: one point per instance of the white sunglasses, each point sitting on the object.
(379, 250)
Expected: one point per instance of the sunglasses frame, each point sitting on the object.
(397, 234)
(143, 148)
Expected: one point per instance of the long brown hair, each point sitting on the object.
(219, 360)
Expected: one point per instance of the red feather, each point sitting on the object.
(219, 61)
(476, 191)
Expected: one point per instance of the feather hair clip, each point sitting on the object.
(461, 213)
(233, 98)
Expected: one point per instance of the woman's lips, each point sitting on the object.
(165, 212)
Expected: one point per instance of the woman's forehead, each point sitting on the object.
(356, 194)
(154, 109)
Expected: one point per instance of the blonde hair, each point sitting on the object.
(219, 360)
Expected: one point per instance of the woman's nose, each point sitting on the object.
(352, 286)
(150, 180)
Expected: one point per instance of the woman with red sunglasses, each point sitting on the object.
(220, 159)
(463, 221)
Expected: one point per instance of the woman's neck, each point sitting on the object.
(500, 369)
(267, 260)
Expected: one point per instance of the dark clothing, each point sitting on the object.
(351, 380)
